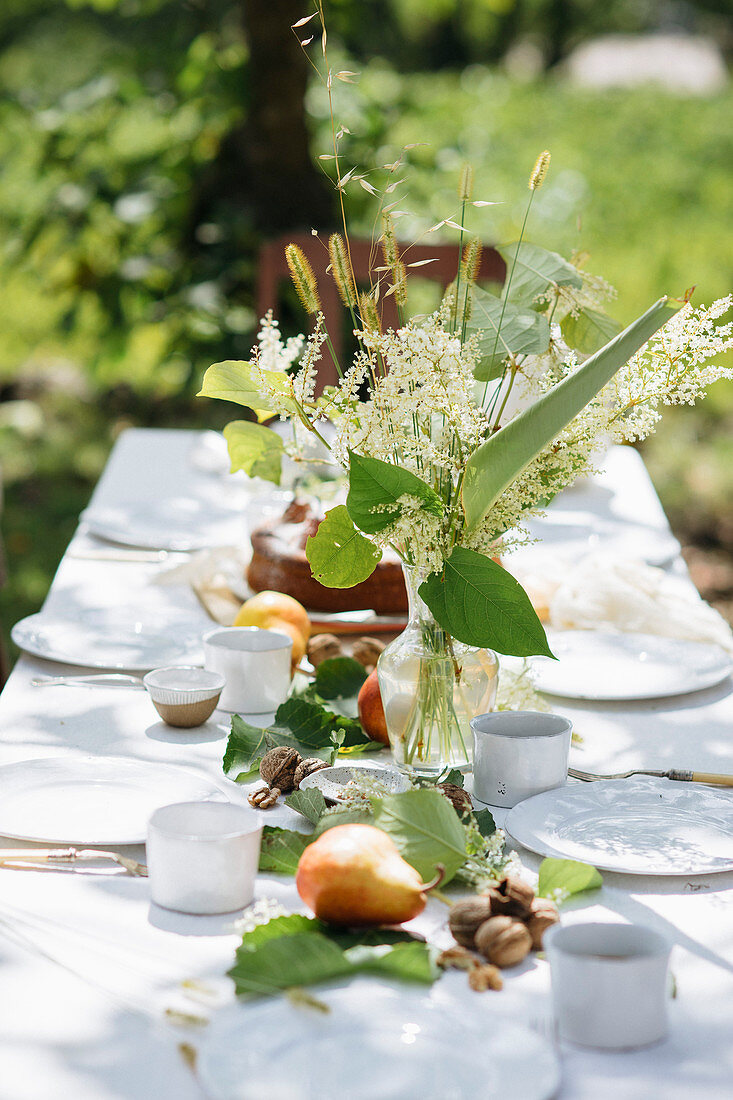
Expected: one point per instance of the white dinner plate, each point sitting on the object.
(378, 1040)
(111, 639)
(175, 523)
(601, 665)
(574, 534)
(91, 799)
(638, 826)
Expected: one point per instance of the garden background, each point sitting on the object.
(148, 147)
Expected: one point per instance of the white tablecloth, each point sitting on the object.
(87, 965)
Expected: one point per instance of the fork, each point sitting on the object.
(681, 775)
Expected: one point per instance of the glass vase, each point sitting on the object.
(431, 687)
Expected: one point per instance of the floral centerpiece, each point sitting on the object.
(474, 418)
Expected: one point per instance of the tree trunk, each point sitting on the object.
(274, 175)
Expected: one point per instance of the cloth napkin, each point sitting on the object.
(217, 578)
(601, 592)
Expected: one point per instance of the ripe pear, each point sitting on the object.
(354, 875)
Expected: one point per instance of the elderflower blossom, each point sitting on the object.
(274, 354)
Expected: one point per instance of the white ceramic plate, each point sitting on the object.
(573, 534)
(110, 639)
(638, 826)
(332, 781)
(91, 800)
(378, 1040)
(606, 666)
(175, 523)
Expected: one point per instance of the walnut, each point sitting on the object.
(323, 646)
(457, 958)
(307, 767)
(485, 977)
(466, 917)
(503, 941)
(366, 651)
(511, 898)
(278, 765)
(459, 799)
(264, 798)
(543, 915)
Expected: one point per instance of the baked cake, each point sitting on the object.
(279, 564)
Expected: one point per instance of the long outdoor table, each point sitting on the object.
(88, 966)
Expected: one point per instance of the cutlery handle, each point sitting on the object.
(713, 777)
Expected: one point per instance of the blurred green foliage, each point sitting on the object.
(125, 272)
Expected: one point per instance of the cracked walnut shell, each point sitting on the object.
(543, 915)
(512, 898)
(278, 765)
(458, 798)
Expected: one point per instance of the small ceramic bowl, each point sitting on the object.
(184, 696)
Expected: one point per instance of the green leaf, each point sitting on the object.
(375, 488)
(277, 958)
(301, 959)
(338, 554)
(425, 828)
(412, 962)
(254, 449)
(339, 677)
(503, 330)
(561, 878)
(536, 269)
(479, 603)
(287, 925)
(231, 380)
(309, 802)
(485, 821)
(342, 815)
(456, 777)
(498, 461)
(589, 331)
(281, 849)
(247, 745)
(312, 724)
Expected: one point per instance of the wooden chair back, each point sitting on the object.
(273, 271)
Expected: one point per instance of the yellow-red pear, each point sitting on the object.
(354, 875)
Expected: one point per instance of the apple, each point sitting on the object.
(371, 709)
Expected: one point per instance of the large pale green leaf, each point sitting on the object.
(425, 828)
(309, 802)
(589, 331)
(504, 456)
(281, 850)
(479, 603)
(561, 878)
(375, 488)
(231, 380)
(504, 329)
(339, 555)
(534, 271)
(254, 449)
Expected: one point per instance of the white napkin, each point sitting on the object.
(217, 577)
(600, 592)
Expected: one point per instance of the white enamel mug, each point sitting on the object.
(203, 856)
(255, 664)
(609, 984)
(517, 754)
